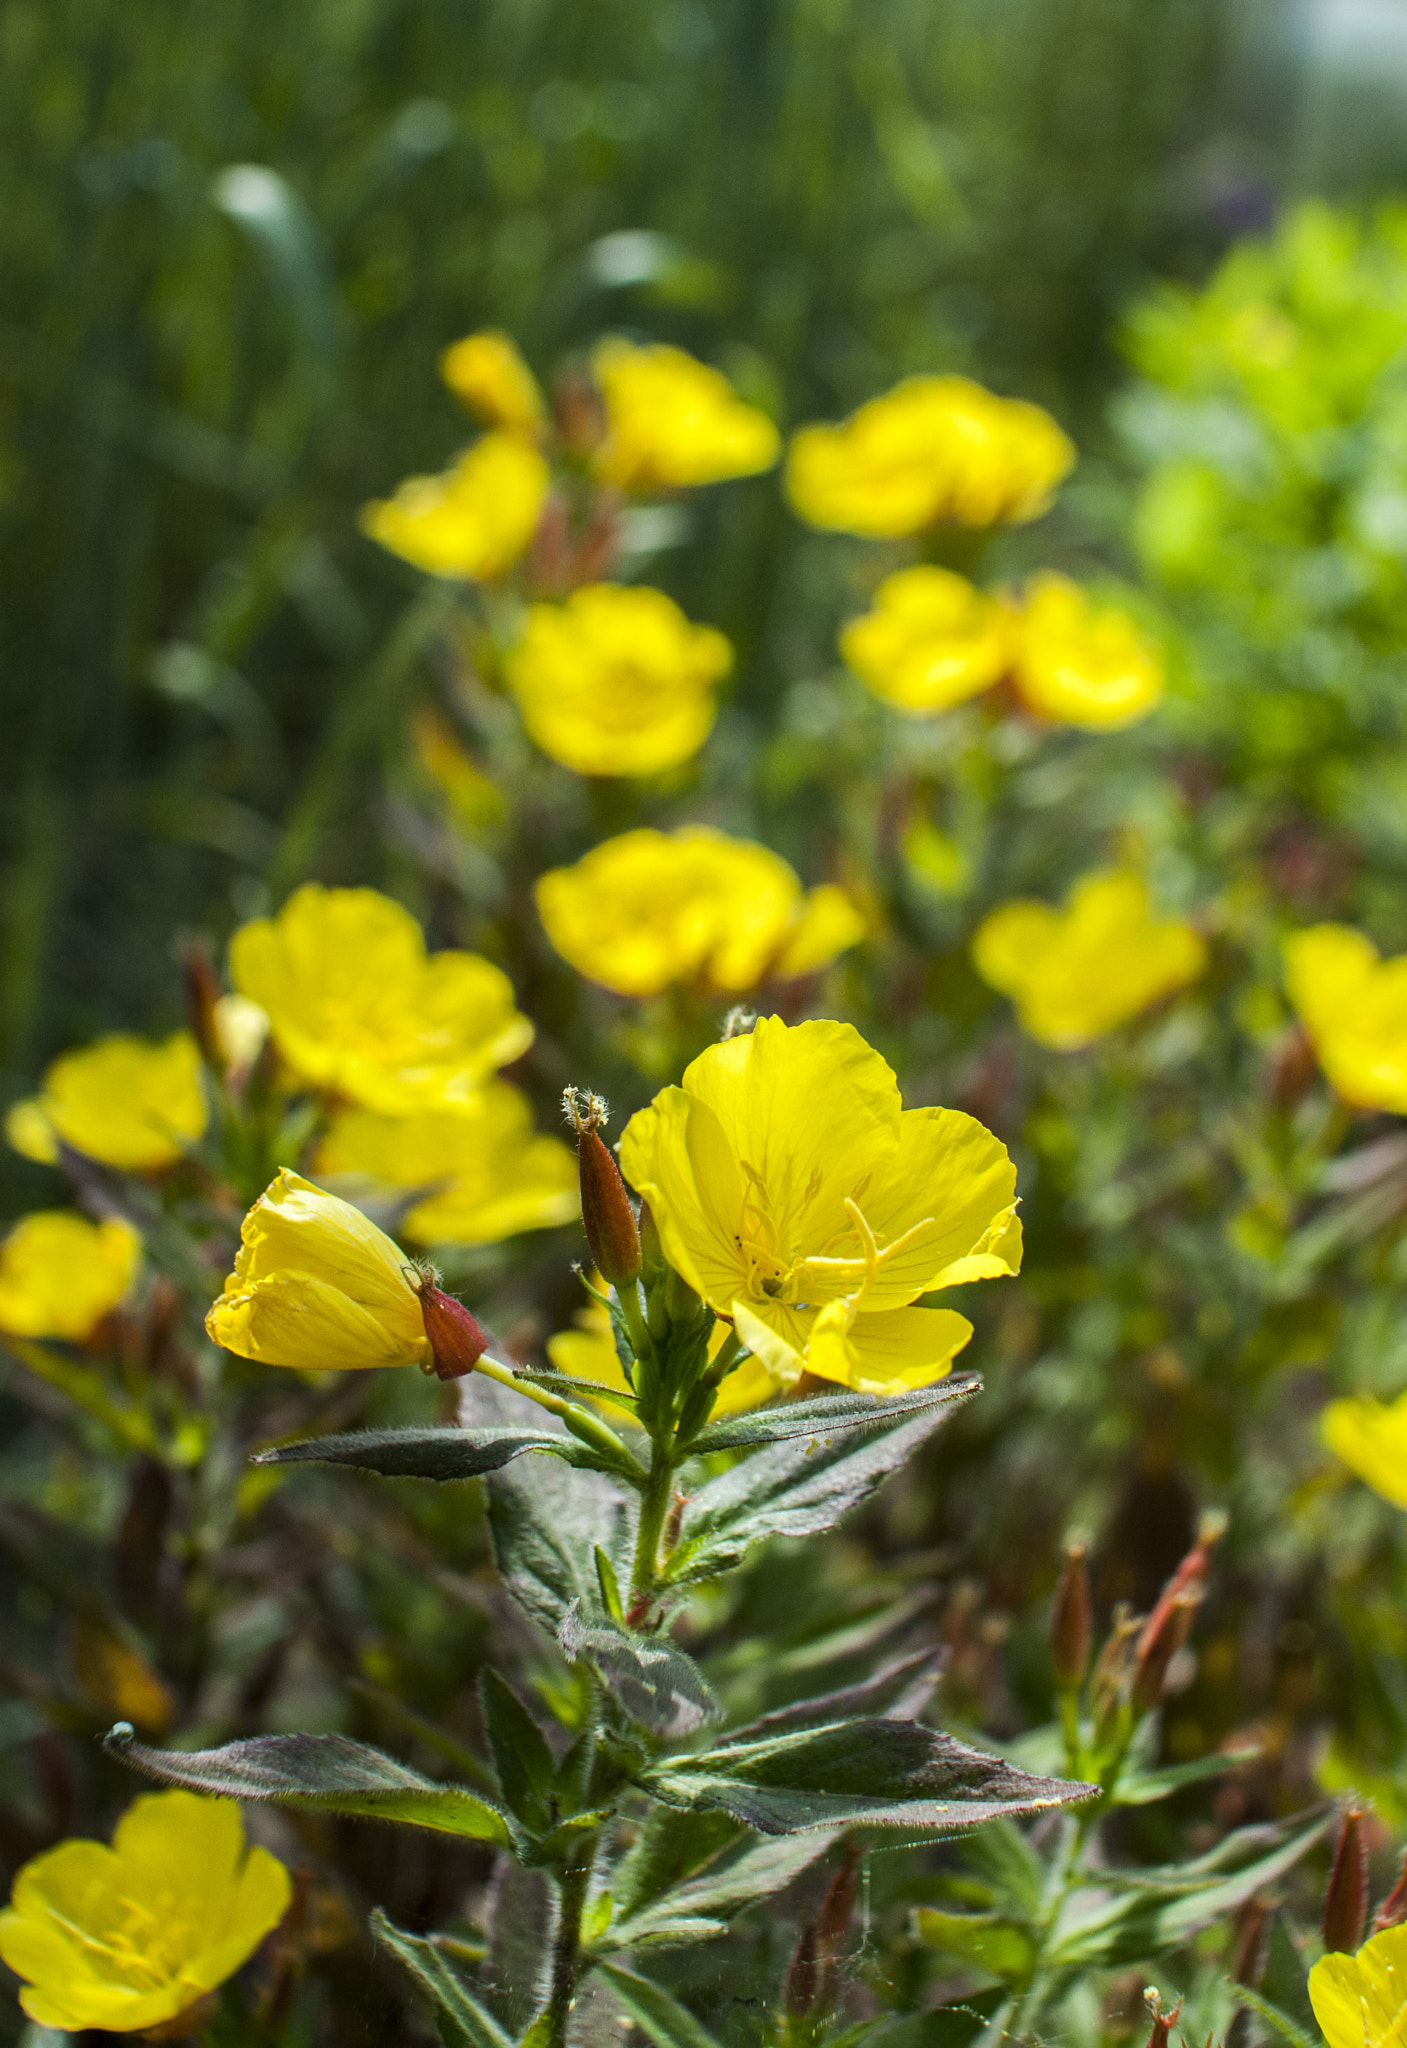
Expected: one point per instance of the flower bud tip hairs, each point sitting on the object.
(583, 1110)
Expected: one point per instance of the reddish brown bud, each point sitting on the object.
(1170, 1624)
(1250, 1939)
(610, 1223)
(1163, 2022)
(1393, 1910)
(1346, 1900)
(457, 1340)
(813, 1977)
(202, 986)
(1072, 1621)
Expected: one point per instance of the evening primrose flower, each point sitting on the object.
(60, 1274)
(588, 1352)
(793, 1191)
(931, 641)
(1079, 972)
(616, 681)
(133, 1103)
(933, 448)
(488, 1174)
(487, 372)
(128, 1937)
(474, 519)
(672, 421)
(649, 908)
(1360, 2001)
(1370, 1437)
(358, 1008)
(1083, 664)
(1353, 1004)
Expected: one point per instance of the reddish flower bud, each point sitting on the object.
(1072, 1621)
(1393, 1910)
(610, 1223)
(1170, 1624)
(457, 1340)
(1346, 1900)
(202, 986)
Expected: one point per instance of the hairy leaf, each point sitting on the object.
(429, 1453)
(656, 2012)
(657, 1684)
(670, 1847)
(527, 1771)
(462, 2017)
(701, 1909)
(827, 1415)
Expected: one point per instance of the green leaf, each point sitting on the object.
(1144, 1788)
(321, 1771)
(1288, 2029)
(462, 2017)
(527, 1771)
(669, 1848)
(942, 2026)
(656, 1683)
(865, 1773)
(1002, 1855)
(900, 1691)
(608, 1585)
(701, 1909)
(657, 2014)
(987, 1941)
(821, 1416)
(430, 1453)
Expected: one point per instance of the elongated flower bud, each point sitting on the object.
(1393, 1910)
(457, 1340)
(1072, 1621)
(1170, 1624)
(1346, 1900)
(202, 986)
(611, 1230)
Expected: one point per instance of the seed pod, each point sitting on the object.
(457, 1340)
(1072, 1620)
(611, 1229)
(1346, 1900)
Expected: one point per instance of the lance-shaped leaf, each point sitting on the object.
(463, 2021)
(899, 1691)
(827, 1415)
(657, 2012)
(328, 1771)
(1005, 1948)
(430, 1453)
(868, 1773)
(657, 1684)
(701, 1909)
(527, 1771)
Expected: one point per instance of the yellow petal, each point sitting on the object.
(776, 1336)
(675, 1155)
(1360, 2001)
(30, 1132)
(931, 641)
(828, 925)
(673, 422)
(474, 520)
(1080, 663)
(1370, 1437)
(886, 1353)
(488, 373)
(60, 1274)
(133, 1103)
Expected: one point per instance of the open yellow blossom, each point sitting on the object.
(796, 1194)
(487, 372)
(1083, 664)
(488, 1174)
(616, 681)
(1353, 1004)
(931, 641)
(588, 1352)
(128, 1937)
(651, 908)
(317, 1285)
(1360, 2001)
(60, 1274)
(357, 1007)
(474, 519)
(1079, 972)
(933, 448)
(1370, 1437)
(134, 1103)
(672, 421)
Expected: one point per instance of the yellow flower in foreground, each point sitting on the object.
(473, 520)
(358, 1008)
(1079, 663)
(932, 448)
(672, 421)
(588, 1352)
(796, 1194)
(1370, 1437)
(487, 372)
(616, 681)
(488, 1174)
(317, 1285)
(1353, 1004)
(60, 1274)
(651, 908)
(930, 642)
(1079, 972)
(128, 1937)
(135, 1103)
(1361, 2001)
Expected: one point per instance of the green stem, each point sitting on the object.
(566, 1943)
(657, 1494)
(589, 1428)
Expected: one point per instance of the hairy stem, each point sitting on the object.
(566, 1943)
(655, 1500)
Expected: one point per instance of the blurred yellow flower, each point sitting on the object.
(1370, 1437)
(933, 448)
(672, 421)
(1079, 972)
(358, 1008)
(1079, 663)
(588, 1352)
(135, 1103)
(128, 1937)
(796, 1194)
(488, 1174)
(487, 372)
(473, 520)
(616, 681)
(1360, 2001)
(930, 642)
(1353, 1004)
(318, 1286)
(60, 1274)
(650, 908)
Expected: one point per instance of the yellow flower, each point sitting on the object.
(1361, 2001)
(60, 1274)
(1079, 972)
(1370, 1437)
(317, 1285)
(487, 372)
(931, 641)
(472, 520)
(129, 1102)
(1354, 1007)
(588, 1352)
(488, 1174)
(128, 1937)
(672, 421)
(616, 681)
(794, 1192)
(651, 908)
(358, 1008)
(932, 448)
(1078, 663)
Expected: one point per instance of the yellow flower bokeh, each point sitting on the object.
(930, 640)
(473, 520)
(1360, 2001)
(1370, 1437)
(1353, 1004)
(60, 1274)
(487, 372)
(1081, 663)
(673, 422)
(134, 1103)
